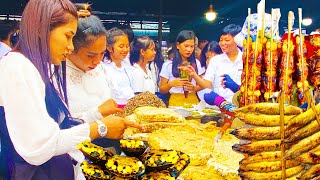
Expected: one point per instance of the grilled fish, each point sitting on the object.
(266, 166)
(262, 119)
(312, 172)
(270, 175)
(304, 118)
(310, 157)
(305, 131)
(303, 146)
(261, 133)
(269, 108)
(258, 146)
(263, 156)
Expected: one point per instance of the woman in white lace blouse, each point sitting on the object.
(88, 91)
(118, 73)
(141, 53)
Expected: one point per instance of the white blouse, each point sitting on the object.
(34, 134)
(166, 72)
(220, 65)
(141, 81)
(86, 91)
(119, 82)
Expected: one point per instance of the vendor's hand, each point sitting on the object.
(210, 97)
(109, 107)
(188, 86)
(117, 125)
(228, 106)
(179, 82)
(227, 82)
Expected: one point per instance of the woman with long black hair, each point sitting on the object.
(171, 81)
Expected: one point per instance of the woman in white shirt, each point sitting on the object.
(170, 73)
(88, 90)
(118, 74)
(35, 145)
(142, 52)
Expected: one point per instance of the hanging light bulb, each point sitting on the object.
(211, 15)
(307, 21)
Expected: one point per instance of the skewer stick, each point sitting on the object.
(290, 23)
(260, 34)
(270, 54)
(283, 150)
(247, 58)
(301, 49)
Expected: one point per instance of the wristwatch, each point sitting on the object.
(102, 128)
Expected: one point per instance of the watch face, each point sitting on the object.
(102, 129)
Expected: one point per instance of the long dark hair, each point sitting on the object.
(38, 19)
(212, 46)
(89, 29)
(139, 43)
(177, 60)
(158, 60)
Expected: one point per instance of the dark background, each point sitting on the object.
(189, 14)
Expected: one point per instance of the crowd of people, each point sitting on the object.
(66, 77)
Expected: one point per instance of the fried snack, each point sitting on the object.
(305, 131)
(160, 175)
(160, 158)
(269, 109)
(143, 99)
(200, 173)
(260, 133)
(225, 160)
(130, 143)
(93, 172)
(312, 172)
(262, 119)
(184, 139)
(178, 167)
(153, 114)
(304, 118)
(133, 148)
(303, 146)
(263, 156)
(258, 146)
(267, 166)
(124, 166)
(270, 175)
(95, 153)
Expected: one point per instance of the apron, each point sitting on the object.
(13, 166)
(177, 99)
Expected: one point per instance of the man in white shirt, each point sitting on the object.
(7, 29)
(224, 71)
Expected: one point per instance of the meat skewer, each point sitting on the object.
(287, 62)
(301, 52)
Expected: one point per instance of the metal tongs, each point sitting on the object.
(228, 117)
